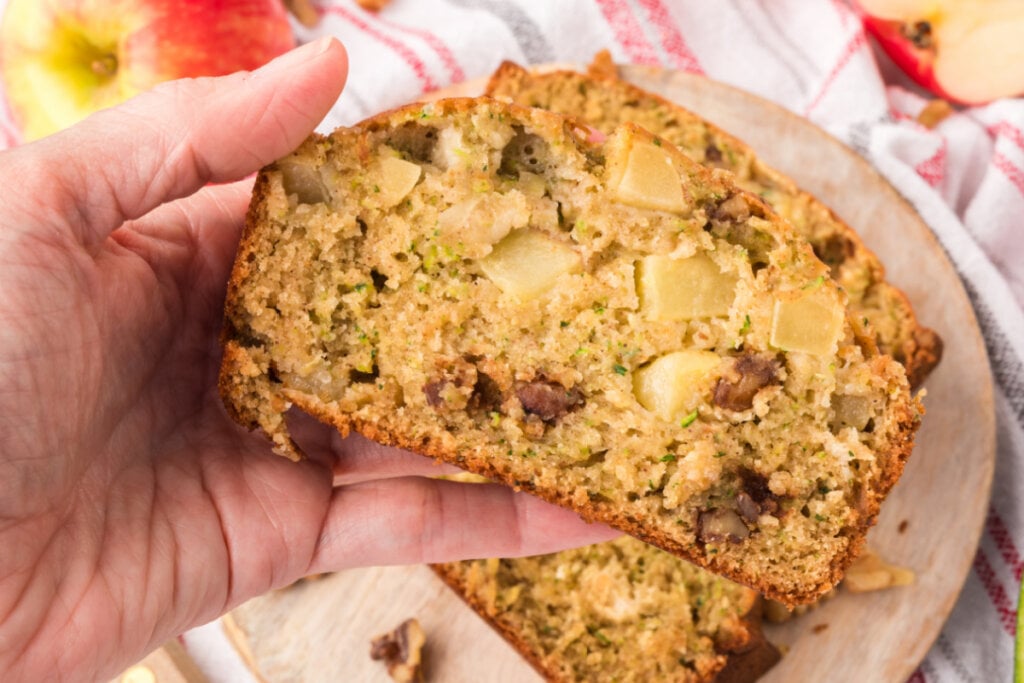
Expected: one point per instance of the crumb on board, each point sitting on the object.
(401, 650)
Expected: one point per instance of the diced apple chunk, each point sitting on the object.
(671, 385)
(811, 322)
(650, 180)
(484, 219)
(527, 263)
(395, 180)
(681, 289)
(302, 179)
(532, 185)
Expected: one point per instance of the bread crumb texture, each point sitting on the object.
(618, 611)
(605, 102)
(608, 325)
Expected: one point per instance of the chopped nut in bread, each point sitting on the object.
(870, 572)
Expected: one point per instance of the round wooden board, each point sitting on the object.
(941, 500)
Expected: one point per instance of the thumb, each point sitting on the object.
(122, 162)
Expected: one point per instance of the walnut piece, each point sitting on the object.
(401, 651)
(304, 12)
(721, 524)
(869, 572)
(748, 375)
(548, 400)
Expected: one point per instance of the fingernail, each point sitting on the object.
(298, 56)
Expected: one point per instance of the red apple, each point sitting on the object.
(61, 60)
(967, 51)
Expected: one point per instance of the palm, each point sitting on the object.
(151, 445)
(136, 507)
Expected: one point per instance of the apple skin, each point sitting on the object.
(916, 62)
(966, 51)
(61, 60)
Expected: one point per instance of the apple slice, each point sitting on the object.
(965, 51)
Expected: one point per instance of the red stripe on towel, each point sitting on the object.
(628, 31)
(996, 593)
(856, 43)
(455, 71)
(933, 169)
(917, 677)
(1007, 130)
(671, 38)
(407, 55)
(1013, 174)
(1004, 543)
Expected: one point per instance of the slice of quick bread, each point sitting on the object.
(603, 101)
(608, 325)
(618, 611)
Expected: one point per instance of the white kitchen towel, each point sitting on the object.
(965, 177)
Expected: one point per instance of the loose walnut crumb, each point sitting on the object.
(401, 651)
(934, 113)
(869, 572)
(373, 5)
(818, 628)
(902, 528)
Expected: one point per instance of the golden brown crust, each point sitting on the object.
(603, 66)
(917, 347)
(455, 582)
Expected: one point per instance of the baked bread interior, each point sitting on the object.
(621, 611)
(604, 101)
(606, 324)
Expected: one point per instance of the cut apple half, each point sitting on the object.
(967, 51)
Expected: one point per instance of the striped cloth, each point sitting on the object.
(966, 178)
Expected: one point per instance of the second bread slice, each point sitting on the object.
(609, 326)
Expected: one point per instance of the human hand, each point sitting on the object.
(132, 507)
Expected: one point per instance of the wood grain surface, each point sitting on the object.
(321, 631)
